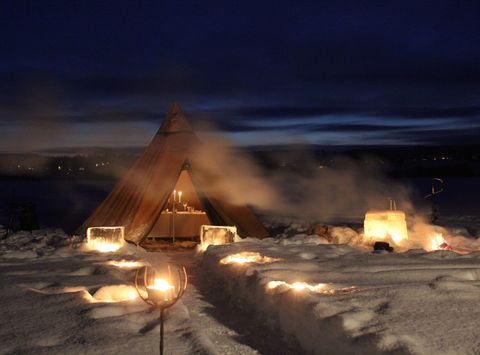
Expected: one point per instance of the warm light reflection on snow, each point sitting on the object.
(247, 257)
(126, 264)
(112, 293)
(298, 286)
(304, 286)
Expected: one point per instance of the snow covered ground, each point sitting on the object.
(335, 299)
(300, 295)
(56, 299)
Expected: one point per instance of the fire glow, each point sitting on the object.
(103, 247)
(112, 294)
(300, 286)
(105, 239)
(246, 258)
(160, 285)
(386, 224)
(161, 289)
(437, 242)
(126, 264)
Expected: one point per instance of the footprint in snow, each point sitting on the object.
(307, 256)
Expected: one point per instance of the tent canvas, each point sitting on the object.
(139, 198)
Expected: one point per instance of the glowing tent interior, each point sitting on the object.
(142, 201)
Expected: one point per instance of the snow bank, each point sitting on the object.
(27, 245)
(356, 302)
(61, 300)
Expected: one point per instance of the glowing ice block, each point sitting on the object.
(384, 224)
(105, 239)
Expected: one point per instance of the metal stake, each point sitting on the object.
(161, 330)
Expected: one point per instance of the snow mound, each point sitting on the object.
(337, 299)
(26, 245)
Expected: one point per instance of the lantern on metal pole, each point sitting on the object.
(161, 287)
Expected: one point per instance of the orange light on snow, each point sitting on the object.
(112, 293)
(320, 288)
(126, 264)
(246, 258)
(299, 286)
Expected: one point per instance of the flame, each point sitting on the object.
(437, 242)
(160, 285)
(247, 257)
(384, 224)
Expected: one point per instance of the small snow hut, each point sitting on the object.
(143, 200)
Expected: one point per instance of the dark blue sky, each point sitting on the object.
(102, 73)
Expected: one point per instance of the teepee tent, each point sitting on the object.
(142, 200)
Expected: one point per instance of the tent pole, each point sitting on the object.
(161, 331)
(173, 221)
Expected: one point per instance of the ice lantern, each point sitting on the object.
(105, 239)
(384, 225)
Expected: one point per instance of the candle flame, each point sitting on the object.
(160, 285)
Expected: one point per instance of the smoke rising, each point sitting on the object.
(345, 188)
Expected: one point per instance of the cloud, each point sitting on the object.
(330, 114)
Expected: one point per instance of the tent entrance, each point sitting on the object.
(189, 213)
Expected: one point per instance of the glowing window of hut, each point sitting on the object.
(105, 239)
(216, 235)
(386, 224)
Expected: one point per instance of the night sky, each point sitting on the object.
(102, 73)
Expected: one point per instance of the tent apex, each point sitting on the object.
(175, 120)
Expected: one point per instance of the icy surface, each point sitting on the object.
(414, 302)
